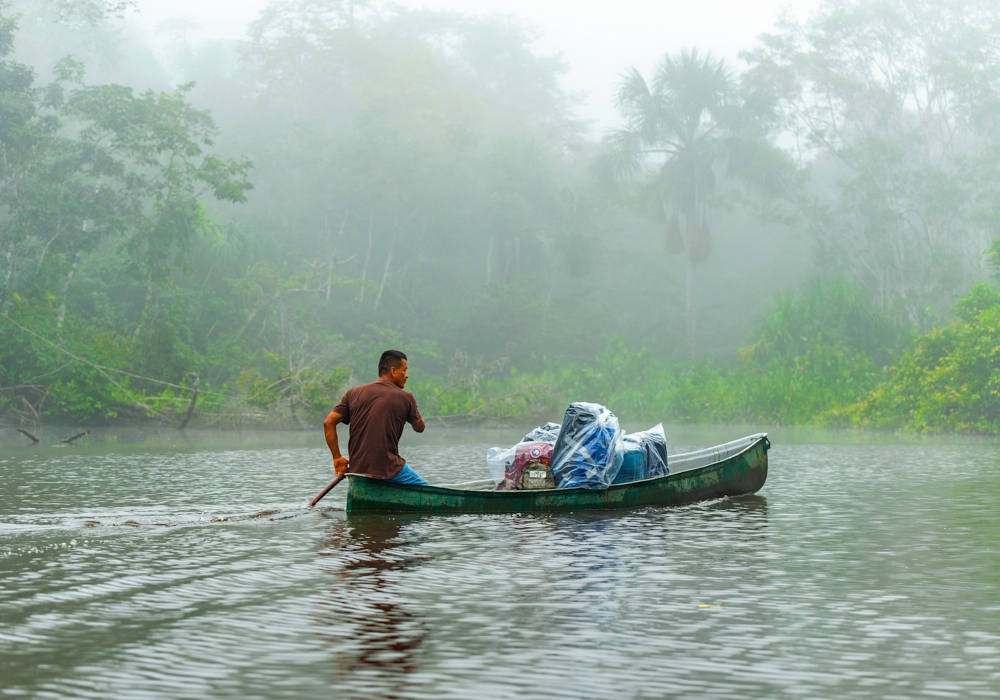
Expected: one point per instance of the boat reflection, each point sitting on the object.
(367, 619)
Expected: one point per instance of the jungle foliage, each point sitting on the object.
(260, 220)
(813, 352)
(948, 380)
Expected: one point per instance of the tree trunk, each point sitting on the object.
(692, 308)
(489, 259)
(145, 305)
(65, 287)
(10, 264)
(364, 270)
(385, 276)
(333, 257)
(194, 400)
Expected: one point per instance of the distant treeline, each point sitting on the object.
(815, 359)
(351, 178)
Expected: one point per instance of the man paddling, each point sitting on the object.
(376, 413)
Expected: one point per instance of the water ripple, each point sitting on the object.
(860, 571)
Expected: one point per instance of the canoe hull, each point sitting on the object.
(741, 474)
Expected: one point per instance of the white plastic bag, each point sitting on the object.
(498, 459)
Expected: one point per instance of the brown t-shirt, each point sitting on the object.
(377, 413)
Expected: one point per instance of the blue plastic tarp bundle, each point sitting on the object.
(543, 433)
(589, 450)
(645, 455)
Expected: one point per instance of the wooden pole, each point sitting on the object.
(326, 490)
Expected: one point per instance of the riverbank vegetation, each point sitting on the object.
(797, 239)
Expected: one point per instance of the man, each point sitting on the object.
(376, 413)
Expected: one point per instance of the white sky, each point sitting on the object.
(598, 40)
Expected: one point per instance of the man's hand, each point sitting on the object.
(340, 462)
(340, 465)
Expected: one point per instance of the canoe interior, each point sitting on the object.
(678, 463)
(735, 468)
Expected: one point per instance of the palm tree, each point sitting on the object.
(695, 120)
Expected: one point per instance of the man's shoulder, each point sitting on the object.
(359, 392)
(392, 391)
(378, 387)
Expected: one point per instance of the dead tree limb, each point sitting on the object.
(31, 408)
(69, 440)
(34, 440)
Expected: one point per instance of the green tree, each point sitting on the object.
(893, 109)
(98, 178)
(156, 143)
(407, 158)
(87, 164)
(695, 118)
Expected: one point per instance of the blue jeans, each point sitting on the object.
(406, 477)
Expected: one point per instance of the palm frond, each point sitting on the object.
(693, 84)
(622, 157)
(633, 94)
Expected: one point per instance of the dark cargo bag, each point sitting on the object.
(536, 475)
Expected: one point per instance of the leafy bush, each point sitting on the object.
(949, 379)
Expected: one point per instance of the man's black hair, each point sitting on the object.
(391, 359)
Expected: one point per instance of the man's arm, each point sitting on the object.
(340, 463)
(418, 422)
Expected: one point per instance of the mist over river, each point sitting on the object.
(153, 566)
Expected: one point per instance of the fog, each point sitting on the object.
(596, 40)
(541, 202)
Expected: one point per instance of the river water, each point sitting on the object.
(160, 568)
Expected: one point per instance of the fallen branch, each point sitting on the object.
(34, 440)
(69, 440)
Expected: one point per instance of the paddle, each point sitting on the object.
(326, 490)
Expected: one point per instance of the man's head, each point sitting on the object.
(392, 366)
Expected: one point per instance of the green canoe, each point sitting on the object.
(734, 469)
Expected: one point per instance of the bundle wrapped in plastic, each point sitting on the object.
(645, 455)
(498, 459)
(633, 463)
(507, 465)
(544, 433)
(589, 450)
(654, 445)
